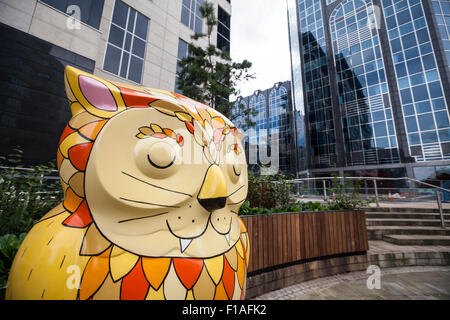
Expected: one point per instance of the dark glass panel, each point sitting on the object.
(112, 59)
(34, 109)
(426, 121)
(116, 36)
(124, 68)
(91, 11)
(138, 47)
(120, 14)
(135, 71)
(131, 19)
(141, 26)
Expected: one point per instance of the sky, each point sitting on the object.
(259, 33)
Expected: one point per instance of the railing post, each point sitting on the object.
(324, 188)
(376, 193)
(438, 196)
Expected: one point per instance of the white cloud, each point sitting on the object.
(259, 33)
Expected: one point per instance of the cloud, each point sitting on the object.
(259, 33)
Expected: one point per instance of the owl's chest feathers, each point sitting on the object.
(84, 265)
(126, 276)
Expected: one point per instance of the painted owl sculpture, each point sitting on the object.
(152, 185)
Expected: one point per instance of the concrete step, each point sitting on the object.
(405, 209)
(403, 222)
(377, 232)
(405, 215)
(417, 240)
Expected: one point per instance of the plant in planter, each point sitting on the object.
(346, 201)
(268, 191)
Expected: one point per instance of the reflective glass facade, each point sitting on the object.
(258, 103)
(274, 120)
(375, 91)
(441, 10)
(319, 111)
(297, 88)
(425, 110)
(363, 95)
(239, 119)
(279, 124)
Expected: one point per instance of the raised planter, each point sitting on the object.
(282, 240)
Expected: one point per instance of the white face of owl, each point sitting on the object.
(164, 195)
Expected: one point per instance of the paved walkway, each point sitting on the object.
(396, 283)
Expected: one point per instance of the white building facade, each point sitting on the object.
(129, 40)
(134, 41)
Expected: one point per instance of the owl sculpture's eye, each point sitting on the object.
(157, 158)
(233, 165)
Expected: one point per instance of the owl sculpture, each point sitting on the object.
(152, 183)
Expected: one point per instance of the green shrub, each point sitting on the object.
(9, 244)
(25, 196)
(345, 201)
(268, 191)
(299, 207)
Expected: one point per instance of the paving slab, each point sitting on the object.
(406, 283)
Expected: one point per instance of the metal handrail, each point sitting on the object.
(26, 169)
(374, 179)
(370, 178)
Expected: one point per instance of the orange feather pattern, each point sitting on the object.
(155, 270)
(79, 155)
(67, 130)
(81, 218)
(188, 270)
(228, 279)
(91, 130)
(94, 275)
(135, 285)
(71, 200)
(136, 99)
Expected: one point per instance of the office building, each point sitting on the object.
(134, 41)
(273, 120)
(374, 77)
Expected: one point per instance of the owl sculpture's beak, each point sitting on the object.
(213, 193)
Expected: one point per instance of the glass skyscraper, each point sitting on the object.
(374, 75)
(273, 120)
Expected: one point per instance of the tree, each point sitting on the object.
(209, 75)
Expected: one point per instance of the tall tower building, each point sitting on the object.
(134, 41)
(374, 77)
(274, 125)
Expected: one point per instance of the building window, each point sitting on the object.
(279, 126)
(91, 11)
(182, 53)
(223, 31)
(442, 14)
(367, 122)
(191, 16)
(127, 41)
(237, 112)
(317, 82)
(425, 111)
